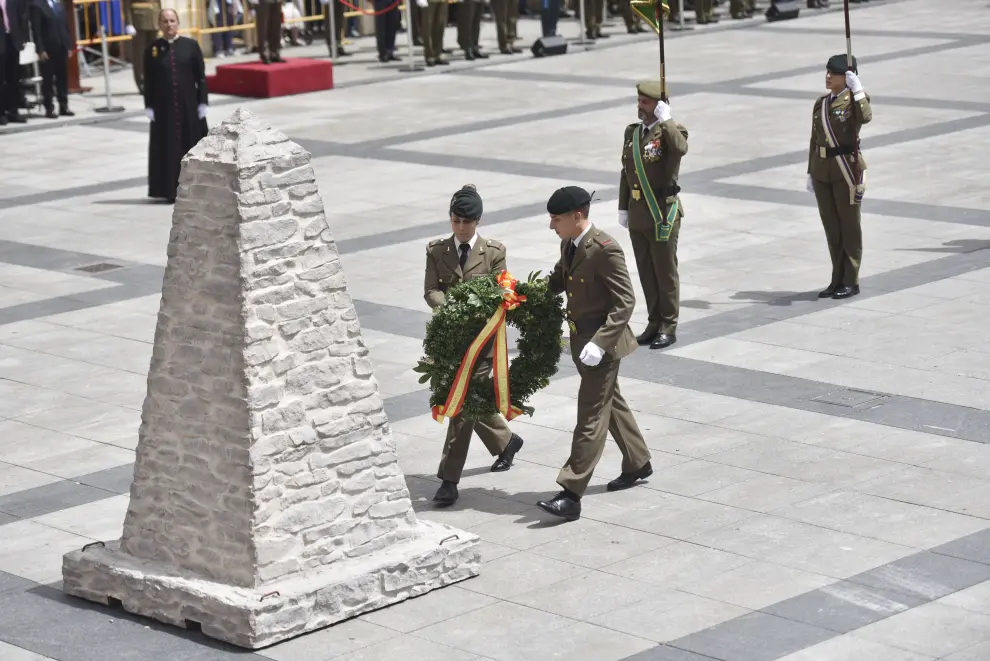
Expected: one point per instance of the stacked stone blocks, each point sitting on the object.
(267, 498)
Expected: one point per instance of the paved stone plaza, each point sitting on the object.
(821, 489)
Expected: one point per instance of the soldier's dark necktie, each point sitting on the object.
(465, 249)
(571, 251)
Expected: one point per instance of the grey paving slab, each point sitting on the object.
(12, 582)
(753, 637)
(844, 607)
(975, 547)
(98, 633)
(50, 498)
(112, 480)
(926, 575)
(667, 653)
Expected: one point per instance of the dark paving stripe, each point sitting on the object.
(61, 495)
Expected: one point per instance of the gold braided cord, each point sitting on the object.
(647, 11)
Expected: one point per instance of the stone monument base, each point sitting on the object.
(436, 556)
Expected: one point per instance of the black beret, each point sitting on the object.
(567, 199)
(840, 64)
(466, 203)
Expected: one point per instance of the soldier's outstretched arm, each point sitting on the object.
(615, 276)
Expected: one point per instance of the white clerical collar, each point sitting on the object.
(172, 40)
(577, 241)
(458, 243)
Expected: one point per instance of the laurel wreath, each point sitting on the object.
(454, 325)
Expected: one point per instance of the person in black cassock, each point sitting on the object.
(175, 101)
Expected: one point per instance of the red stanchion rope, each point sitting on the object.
(371, 13)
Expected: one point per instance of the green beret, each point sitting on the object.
(650, 88)
(839, 64)
(567, 199)
(466, 203)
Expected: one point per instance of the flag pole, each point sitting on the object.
(849, 67)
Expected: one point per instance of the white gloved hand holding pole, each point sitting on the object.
(662, 111)
(591, 354)
(130, 30)
(810, 185)
(201, 110)
(624, 218)
(854, 85)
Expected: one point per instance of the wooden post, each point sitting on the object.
(73, 66)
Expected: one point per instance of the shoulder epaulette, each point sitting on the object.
(435, 242)
(603, 239)
(492, 243)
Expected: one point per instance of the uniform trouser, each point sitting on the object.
(433, 22)
(549, 15)
(740, 7)
(506, 13)
(492, 430)
(55, 81)
(269, 24)
(139, 43)
(386, 27)
(469, 15)
(338, 23)
(841, 221)
(656, 262)
(593, 16)
(601, 409)
(631, 18)
(703, 10)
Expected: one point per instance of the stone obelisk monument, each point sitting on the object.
(267, 498)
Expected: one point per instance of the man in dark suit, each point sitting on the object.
(13, 34)
(52, 41)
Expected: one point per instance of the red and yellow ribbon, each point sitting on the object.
(496, 328)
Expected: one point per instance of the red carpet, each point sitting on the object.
(262, 81)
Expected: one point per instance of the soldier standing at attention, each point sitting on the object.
(650, 208)
(704, 12)
(600, 301)
(268, 24)
(836, 172)
(142, 25)
(465, 256)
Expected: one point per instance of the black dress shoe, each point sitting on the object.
(828, 291)
(16, 118)
(446, 494)
(277, 58)
(442, 62)
(626, 480)
(515, 50)
(478, 54)
(602, 35)
(394, 58)
(646, 338)
(504, 461)
(663, 340)
(845, 291)
(65, 112)
(265, 59)
(468, 55)
(565, 505)
(51, 114)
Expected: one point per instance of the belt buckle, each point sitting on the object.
(823, 152)
(635, 194)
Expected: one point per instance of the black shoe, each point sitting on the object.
(277, 58)
(846, 291)
(383, 59)
(51, 114)
(65, 112)
(663, 340)
(431, 63)
(265, 59)
(394, 58)
(446, 51)
(16, 118)
(626, 480)
(478, 54)
(646, 338)
(828, 291)
(504, 461)
(3, 120)
(515, 50)
(446, 494)
(442, 62)
(468, 55)
(506, 51)
(342, 53)
(588, 35)
(565, 505)
(602, 35)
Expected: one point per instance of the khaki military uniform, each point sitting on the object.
(600, 301)
(840, 217)
(632, 20)
(433, 19)
(663, 146)
(506, 15)
(593, 17)
(704, 12)
(443, 271)
(143, 16)
(742, 8)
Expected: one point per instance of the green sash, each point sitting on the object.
(662, 226)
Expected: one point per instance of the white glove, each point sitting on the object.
(591, 354)
(810, 186)
(201, 110)
(853, 83)
(130, 30)
(423, 3)
(662, 111)
(149, 113)
(624, 218)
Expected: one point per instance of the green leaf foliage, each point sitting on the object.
(466, 309)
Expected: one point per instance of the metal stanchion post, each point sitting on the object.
(331, 9)
(583, 7)
(106, 74)
(412, 65)
(680, 17)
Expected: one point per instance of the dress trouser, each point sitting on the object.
(593, 10)
(10, 93)
(432, 26)
(469, 15)
(269, 23)
(54, 78)
(338, 19)
(841, 221)
(601, 409)
(506, 14)
(386, 27)
(492, 430)
(656, 262)
(549, 15)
